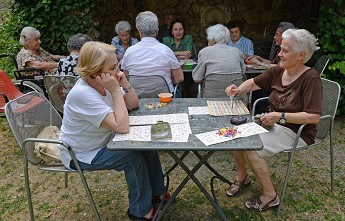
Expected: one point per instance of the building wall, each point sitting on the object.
(256, 15)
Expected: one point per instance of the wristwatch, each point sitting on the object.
(126, 90)
(282, 118)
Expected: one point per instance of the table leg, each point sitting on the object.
(190, 175)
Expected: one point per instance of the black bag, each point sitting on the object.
(237, 120)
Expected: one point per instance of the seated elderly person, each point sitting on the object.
(88, 130)
(32, 55)
(218, 57)
(149, 56)
(123, 40)
(66, 65)
(164, 30)
(283, 26)
(238, 40)
(178, 41)
(296, 99)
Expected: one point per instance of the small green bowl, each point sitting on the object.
(189, 66)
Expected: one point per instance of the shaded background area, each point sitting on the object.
(260, 17)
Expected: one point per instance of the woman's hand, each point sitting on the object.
(108, 81)
(232, 90)
(183, 54)
(269, 119)
(254, 60)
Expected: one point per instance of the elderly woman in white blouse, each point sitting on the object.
(218, 57)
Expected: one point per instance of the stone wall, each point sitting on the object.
(199, 14)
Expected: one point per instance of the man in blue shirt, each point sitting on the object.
(237, 40)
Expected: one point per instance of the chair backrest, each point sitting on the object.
(57, 89)
(214, 85)
(7, 89)
(330, 100)
(321, 64)
(27, 116)
(148, 86)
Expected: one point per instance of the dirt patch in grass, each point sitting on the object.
(308, 195)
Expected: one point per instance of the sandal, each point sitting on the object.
(156, 199)
(238, 185)
(132, 217)
(259, 206)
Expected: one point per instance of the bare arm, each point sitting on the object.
(183, 54)
(177, 75)
(131, 97)
(261, 61)
(244, 88)
(42, 65)
(271, 118)
(57, 57)
(118, 120)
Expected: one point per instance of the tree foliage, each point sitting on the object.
(332, 41)
(56, 20)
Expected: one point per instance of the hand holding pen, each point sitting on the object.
(232, 100)
(232, 92)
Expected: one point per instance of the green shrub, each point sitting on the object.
(56, 20)
(332, 41)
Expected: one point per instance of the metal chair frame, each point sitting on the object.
(325, 127)
(24, 83)
(321, 64)
(27, 116)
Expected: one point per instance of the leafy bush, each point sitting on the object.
(56, 20)
(332, 41)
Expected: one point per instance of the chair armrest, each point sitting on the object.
(5, 97)
(175, 89)
(62, 144)
(199, 95)
(19, 76)
(300, 129)
(256, 102)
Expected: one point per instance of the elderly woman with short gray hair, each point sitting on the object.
(66, 65)
(295, 99)
(218, 57)
(123, 40)
(32, 55)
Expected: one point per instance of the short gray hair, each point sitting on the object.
(302, 40)
(76, 41)
(28, 33)
(283, 26)
(147, 23)
(219, 33)
(122, 26)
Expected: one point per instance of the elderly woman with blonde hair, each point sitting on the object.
(296, 99)
(32, 55)
(95, 109)
(123, 40)
(218, 57)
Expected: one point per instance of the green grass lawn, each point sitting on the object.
(308, 195)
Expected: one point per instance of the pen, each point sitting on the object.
(232, 100)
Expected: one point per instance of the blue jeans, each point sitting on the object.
(143, 174)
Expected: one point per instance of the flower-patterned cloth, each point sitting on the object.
(26, 55)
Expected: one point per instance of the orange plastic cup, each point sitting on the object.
(165, 97)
